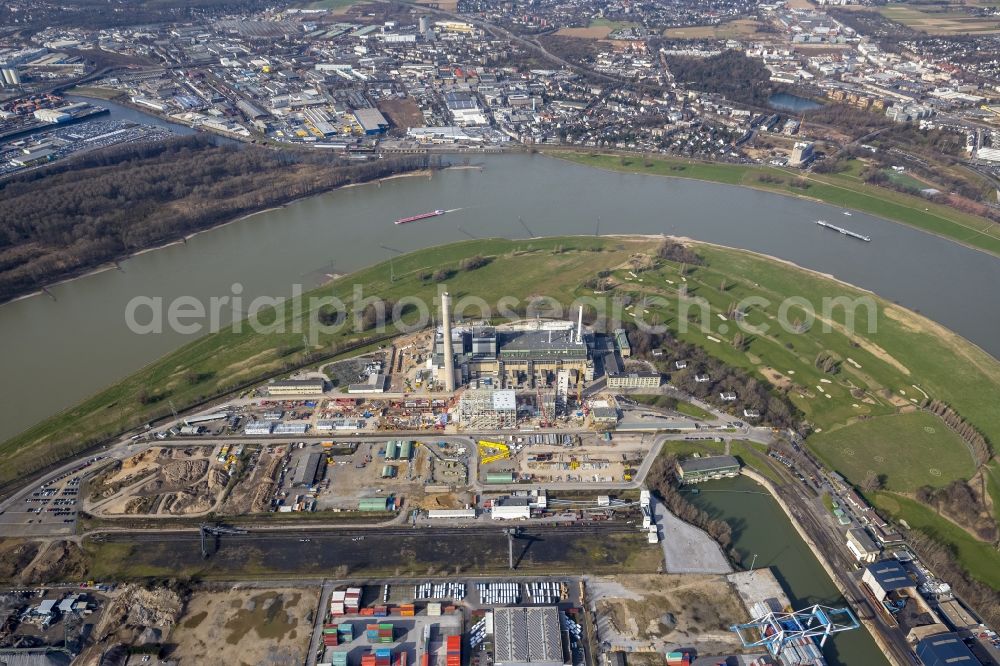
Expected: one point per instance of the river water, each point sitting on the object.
(63, 350)
(761, 528)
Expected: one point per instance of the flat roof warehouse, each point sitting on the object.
(528, 637)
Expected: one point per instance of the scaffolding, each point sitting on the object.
(487, 409)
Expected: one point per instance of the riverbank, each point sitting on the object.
(239, 199)
(834, 189)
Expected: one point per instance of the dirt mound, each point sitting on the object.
(15, 555)
(184, 471)
(136, 610)
(61, 561)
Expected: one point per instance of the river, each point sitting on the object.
(122, 112)
(761, 528)
(62, 350)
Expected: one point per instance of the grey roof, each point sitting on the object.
(945, 649)
(305, 472)
(862, 539)
(890, 575)
(527, 636)
(541, 344)
(709, 463)
(370, 119)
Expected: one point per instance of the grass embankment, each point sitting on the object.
(216, 364)
(679, 406)
(846, 190)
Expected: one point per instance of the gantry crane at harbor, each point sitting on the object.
(796, 631)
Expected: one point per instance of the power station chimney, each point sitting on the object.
(449, 356)
(579, 327)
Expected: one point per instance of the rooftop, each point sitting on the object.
(890, 575)
(541, 343)
(709, 463)
(527, 636)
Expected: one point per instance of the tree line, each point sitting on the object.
(661, 480)
(978, 445)
(751, 394)
(65, 219)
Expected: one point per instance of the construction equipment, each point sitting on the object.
(492, 452)
(541, 407)
(796, 630)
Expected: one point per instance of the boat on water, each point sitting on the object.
(842, 230)
(422, 216)
(848, 213)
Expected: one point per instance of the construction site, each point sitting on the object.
(160, 481)
(562, 458)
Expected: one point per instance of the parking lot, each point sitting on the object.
(51, 508)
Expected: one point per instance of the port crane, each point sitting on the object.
(778, 630)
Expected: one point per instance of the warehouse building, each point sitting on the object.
(307, 469)
(945, 650)
(453, 514)
(371, 121)
(862, 546)
(528, 637)
(374, 504)
(885, 577)
(511, 508)
(696, 470)
(296, 387)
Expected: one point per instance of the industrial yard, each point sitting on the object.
(160, 481)
(644, 613)
(252, 626)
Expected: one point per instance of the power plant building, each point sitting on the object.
(528, 636)
(515, 357)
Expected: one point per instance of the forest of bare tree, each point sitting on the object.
(71, 217)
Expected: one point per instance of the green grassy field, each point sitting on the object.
(980, 559)
(682, 406)
(905, 180)
(837, 189)
(933, 453)
(993, 487)
(940, 18)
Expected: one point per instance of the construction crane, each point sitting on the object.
(795, 630)
(541, 406)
